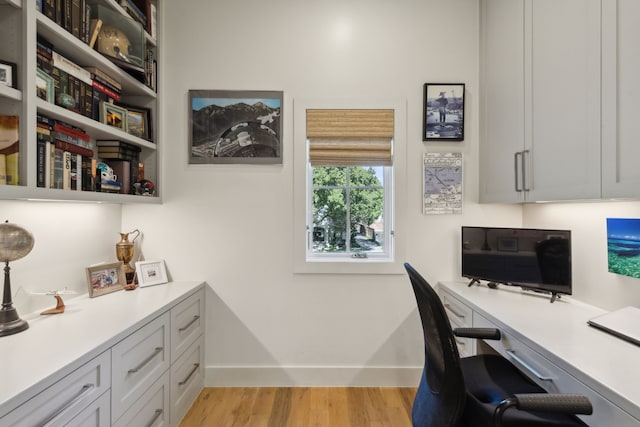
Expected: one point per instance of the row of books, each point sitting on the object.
(78, 89)
(72, 15)
(66, 159)
(9, 149)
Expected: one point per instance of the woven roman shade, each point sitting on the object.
(350, 137)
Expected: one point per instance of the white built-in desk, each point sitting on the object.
(553, 344)
(125, 358)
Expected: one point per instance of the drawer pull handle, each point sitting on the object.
(156, 415)
(145, 361)
(453, 310)
(188, 325)
(193, 371)
(528, 367)
(86, 389)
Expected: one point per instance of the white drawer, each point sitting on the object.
(187, 379)
(138, 361)
(457, 311)
(97, 414)
(187, 323)
(466, 346)
(66, 398)
(553, 378)
(152, 409)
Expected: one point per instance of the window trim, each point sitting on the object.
(348, 265)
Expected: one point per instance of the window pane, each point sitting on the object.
(367, 223)
(329, 176)
(366, 176)
(329, 220)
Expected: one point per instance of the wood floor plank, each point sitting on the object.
(301, 407)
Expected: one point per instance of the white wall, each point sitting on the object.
(68, 238)
(592, 282)
(232, 225)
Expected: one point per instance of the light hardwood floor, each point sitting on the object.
(302, 407)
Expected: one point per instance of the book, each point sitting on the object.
(66, 171)
(76, 18)
(94, 30)
(70, 67)
(73, 149)
(104, 78)
(10, 147)
(122, 169)
(57, 168)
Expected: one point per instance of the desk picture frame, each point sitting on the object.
(105, 278)
(45, 86)
(8, 74)
(151, 273)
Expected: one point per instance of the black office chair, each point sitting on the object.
(478, 391)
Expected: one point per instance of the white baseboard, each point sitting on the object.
(311, 376)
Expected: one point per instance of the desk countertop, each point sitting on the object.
(55, 345)
(559, 331)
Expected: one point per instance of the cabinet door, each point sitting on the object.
(562, 89)
(620, 94)
(502, 100)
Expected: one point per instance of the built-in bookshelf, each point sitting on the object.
(21, 24)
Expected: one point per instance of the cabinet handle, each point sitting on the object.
(525, 187)
(453, 310)
(145, 361)
(185, 327)
(193, 371)
(528, 367)
(86, 389)
(516, 170)
(156, 415)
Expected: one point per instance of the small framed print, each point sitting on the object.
(45, 86)
(8, 74)
(151, 273)
(443, 112)
(113, 115)
(105, 278)
(139, 122)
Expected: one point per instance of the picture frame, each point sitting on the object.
(105, 278)
(8, 74)
(443, 118)
(139, 121)
(113, 115)
(246, 128)
(45, 86)
(151, 273)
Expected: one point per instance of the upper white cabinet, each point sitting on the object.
(540, 107)
(21, 24)
(620, 94)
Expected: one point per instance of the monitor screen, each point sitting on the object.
(531, 258)
(623, 246)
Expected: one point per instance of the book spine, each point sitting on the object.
(66, 18)
(104, 76)
(75, 18)
(70, 67)
(107, 84)
(49, 9)
(66, 170)
(73, 149)
(41, 158)
(71, 131)
(73, 159)
(102, 88)
(59, 11)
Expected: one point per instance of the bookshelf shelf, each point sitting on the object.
(10, 93)
(21, 26)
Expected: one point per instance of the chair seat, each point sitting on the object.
(492, 378)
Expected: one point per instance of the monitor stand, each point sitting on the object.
(473, 282)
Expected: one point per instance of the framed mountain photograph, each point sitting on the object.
(235, 127)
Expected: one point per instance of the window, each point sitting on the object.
(346, 158)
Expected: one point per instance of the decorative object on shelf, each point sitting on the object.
(8, 74)
(138, 121)
(125, 250)
(151, 273)
(45, 86)
(443, 112)
(144, 188)
(112, 115)
(15, 243)
(105, 278)
(59, 308)
(246, 127)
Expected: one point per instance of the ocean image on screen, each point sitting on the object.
(623, 246)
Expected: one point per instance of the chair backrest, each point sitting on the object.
(441, 394)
